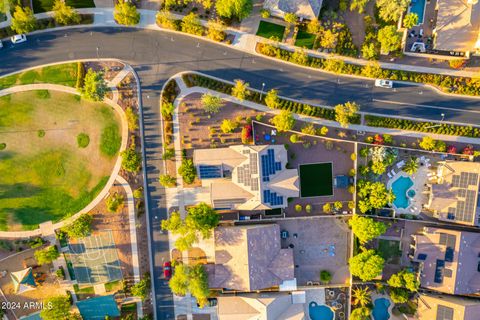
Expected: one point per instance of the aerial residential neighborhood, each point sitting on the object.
(240, 159)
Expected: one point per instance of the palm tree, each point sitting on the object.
(361, 296)
(411, 166)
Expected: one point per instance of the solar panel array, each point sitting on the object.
(210, 171)
(439, 271)
(466, 206)
(269, 166)
(245, 172)
(444, 313)
(449, 241)
(272, 198)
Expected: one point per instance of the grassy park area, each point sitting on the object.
(64, 74)
(47, 5)
(268, 30)
(49, 169)
(305, 39)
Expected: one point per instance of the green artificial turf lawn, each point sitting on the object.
(50, 177)
(389, 251)
(47, 5)
(305, 39)
(316, 179)
(268, 30)
(64, 74)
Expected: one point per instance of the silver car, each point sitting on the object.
(19, 38)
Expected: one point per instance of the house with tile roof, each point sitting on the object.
(304, 9)
(249, 258)
(245, 177)
(446, 307)
(449, 260)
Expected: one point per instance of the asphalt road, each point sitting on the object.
(158, 55)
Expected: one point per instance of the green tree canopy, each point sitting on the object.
(362, 313)
(46, 255)
(390, 10)
(193, 279)
(188, 171)
(131, 159)
(328, 39)
(191, 24)
(94, 86)
(239, 89)
(179, 281)
(427, 143)
(410, 20)
(361, 296)
(167, 180)
(234, 8)
(283, 121)
(290, 18)
(271, 99)
(126, 13)
(373, 195)
(64, 14)
(343, 112)
(389, 38)
(366, 265)
(57, 308)
(398, 295)
(216, 30)
(404, 279)
(142, 288)
(366, 229)
(23, 20)
(80, 228)
(358, 5)
(228, 126)
(132, 119)
(166, 19)
(411, 166)
(314, 26)
(211, 103)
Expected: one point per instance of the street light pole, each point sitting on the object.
(98, 57)
(261, 92)
(437, 125)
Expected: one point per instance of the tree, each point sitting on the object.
(166, 20)
(294, 138)
(167, 109)
(328, 39)
(191, 24)
(234, 8)
(366, 229)
(366, 265)
(179, 281)
(358, 5)
(362, 313)
(239, 90)
(132, 119)
(378, 167)
(369, 51)
(23, 20)
(94, 86)
(390, 10)
(314, 26)
(141, 288)
(373, 195)
(343, 112)
(271, 99)
(191, 279)
(389, 39)
(211, 103)
(440, 146)
(228, 126)
(114, 202)
(64, 14)
(323, 131)
(309, 128)
(361, 296)
(398, 295)
(131, 159)
(167, 180)
(56, 308)
(411, 166)
(126, 13)
(299, 56)
(216, 30)
(46, 255)
(404, 279)
(80, 228)
(325, 276)
(410, 20)
(187, 171)
(290, 18)
(427, 143)
(265, 13)
(283, 121)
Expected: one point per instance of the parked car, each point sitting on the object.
(18, 38)
(167, 270)
(384, 83)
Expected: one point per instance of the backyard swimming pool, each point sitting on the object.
(380, 309)
(319, 312)
(418, 7)
(399, 188)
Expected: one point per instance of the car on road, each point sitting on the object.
(167, 270)
(384, 83)
(18, 38)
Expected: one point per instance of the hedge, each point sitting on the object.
(192, 80)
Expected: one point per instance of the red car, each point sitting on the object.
(167, 270)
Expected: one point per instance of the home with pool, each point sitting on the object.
(448, 260)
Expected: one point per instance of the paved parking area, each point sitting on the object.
(320, 243)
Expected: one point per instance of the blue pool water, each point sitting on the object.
(411, 193)
(399, 188)
(418, 7)
(319, 312)
(380, 309)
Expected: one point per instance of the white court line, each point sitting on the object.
(425, 106)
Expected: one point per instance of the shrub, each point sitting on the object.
(457, 63)
(138, 193)
(187, 170)
(83, 140)
(94, 86)
(126, 13)
(265, 13)
(80, 75)
(191, 24)
(247, 137)
(41, 133)
(325, 276)
(46, 255)
(165, 19)
(308, 208)
(132, 119)
(167, 181)
(327, 207)
(168, 153)
(80, 228)
(3, 145)
(114, 202)
(43, 94)
(298, 208)
(228, 126)
(131, 159)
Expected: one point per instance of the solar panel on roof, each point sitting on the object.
(439, 271)
(210, 171)
(449, 254)
(422, 256)
(472, 178)
(456, 181)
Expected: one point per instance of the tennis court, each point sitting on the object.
(98, 308)
(95, 259)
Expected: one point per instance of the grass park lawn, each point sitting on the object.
(268, 30)
(47, 5)
(316, 179)
(389, 250)
(44, 174)
(113, 286)
(305, 39)
(64, 74)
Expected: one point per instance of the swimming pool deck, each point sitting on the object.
(419, 178)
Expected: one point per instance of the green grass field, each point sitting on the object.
(268, 30)
(316, 180)
(64, 74)
(47, 5)
(305, 39)
(389, 250)
(51, 177)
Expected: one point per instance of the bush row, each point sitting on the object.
(192, 80)
(421, 126)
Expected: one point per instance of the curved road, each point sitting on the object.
(158, 55)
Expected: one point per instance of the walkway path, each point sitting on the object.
(245, 38)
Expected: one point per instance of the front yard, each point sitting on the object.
(268, 30)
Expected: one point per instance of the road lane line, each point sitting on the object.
(425, 106)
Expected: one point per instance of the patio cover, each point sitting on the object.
(23, 280)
